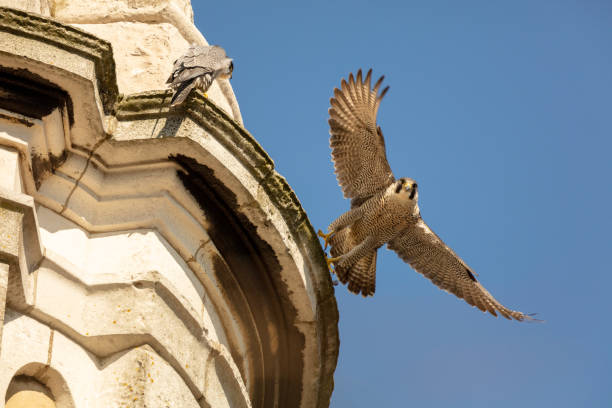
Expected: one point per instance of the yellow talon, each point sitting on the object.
(206, 95)
(325, 237)
(330, 261)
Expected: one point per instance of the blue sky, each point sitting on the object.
(502, 112)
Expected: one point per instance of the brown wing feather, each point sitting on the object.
(420, 247)
(358, 147)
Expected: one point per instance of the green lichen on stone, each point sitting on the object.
(144, 105)
(238, 133)
(285, 199)
(327, 314)
(71, 39)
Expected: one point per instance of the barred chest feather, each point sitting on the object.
(385, 217)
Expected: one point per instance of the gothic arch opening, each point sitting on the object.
(37, 385)
(25, 392)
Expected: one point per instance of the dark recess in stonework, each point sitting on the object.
(24, 92)
(254, 271)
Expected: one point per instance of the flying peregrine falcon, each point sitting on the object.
(384, 210)
(198, 68)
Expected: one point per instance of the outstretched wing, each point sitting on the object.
(420, 247)
(358, 146)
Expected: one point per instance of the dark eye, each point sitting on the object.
(398, 188)
(231, 68)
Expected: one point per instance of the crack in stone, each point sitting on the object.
(78, 180)
(194, 257)
(50, 351)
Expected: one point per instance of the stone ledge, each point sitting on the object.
(156, 104)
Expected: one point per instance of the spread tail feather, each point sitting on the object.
(362, 275)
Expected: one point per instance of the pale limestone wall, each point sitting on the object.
(33, 6)
(111, 293)
(148, 256)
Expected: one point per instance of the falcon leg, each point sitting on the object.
(326, 237)
(358, 252)
(330, 261)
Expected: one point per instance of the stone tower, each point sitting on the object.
(149, 256)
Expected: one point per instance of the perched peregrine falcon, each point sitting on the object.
(384, 210)
(198, 68)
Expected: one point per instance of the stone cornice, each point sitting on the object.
(70, 39)
(155, 104)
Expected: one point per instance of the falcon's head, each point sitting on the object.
(227, 68)
(407, 188)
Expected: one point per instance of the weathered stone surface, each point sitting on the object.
(80, 370)
(24, 341)
(10, 231)
(125, 8)
(135, 254)
(33, 6)
(144, 53)
(141, 378)
(178, 265)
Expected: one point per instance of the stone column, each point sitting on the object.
(11, 220)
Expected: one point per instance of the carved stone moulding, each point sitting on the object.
(166, 240)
